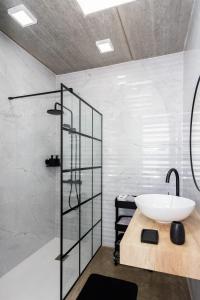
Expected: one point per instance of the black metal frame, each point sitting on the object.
(191, 126)
(63, 256)
(79, 169)
(120, 229)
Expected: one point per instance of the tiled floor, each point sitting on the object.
(37, 277)
(152, 285)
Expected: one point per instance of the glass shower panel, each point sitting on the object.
(71, 142)
(96, 181)
(96, 153)
(96, 209)
(81, 173)
(86, 185)
(86, 152)
(71, 184)
(96, 125)
(86, 217)
(70, 229)
(67, 150)
(70, 269)
(86, 119)
(86, 250)
(70, 111)
(96, 237)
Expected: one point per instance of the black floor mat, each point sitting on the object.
(100, 287)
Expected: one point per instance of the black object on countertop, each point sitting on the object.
(100, 287)
(177, 233)
(149, 236)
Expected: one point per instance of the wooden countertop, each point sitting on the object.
(165, 257)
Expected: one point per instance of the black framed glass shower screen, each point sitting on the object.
(81, 187)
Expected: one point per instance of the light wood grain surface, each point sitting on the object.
(65, 40)
(165, 257)
(151, 285)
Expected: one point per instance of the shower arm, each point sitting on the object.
(58, 104)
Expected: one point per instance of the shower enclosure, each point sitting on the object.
(80, 189)
(81, 172)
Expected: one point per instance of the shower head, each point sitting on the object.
(55, 111)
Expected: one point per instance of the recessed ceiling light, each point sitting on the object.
(105, 46)
(90, 6)
(22, 15)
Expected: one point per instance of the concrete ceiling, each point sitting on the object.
(64, 39)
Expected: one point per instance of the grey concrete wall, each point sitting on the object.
(27, 136)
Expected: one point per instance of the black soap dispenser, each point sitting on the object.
(51, 161)
(57, 161)
(177, 233)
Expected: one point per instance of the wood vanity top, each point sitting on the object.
(165, 257)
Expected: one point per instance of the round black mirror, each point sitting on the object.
(195, 137)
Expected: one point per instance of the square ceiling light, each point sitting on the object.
(91, 6)
(105, 46)
(22, 15)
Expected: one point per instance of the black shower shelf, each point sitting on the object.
(53, 161)
(81, 134)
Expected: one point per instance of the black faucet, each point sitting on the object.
(177, 180)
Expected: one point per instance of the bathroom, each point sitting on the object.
(98, 99)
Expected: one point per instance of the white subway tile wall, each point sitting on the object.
(141, 102)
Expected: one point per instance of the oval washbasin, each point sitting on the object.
(165, 208)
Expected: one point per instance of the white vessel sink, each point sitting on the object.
(165, 208)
